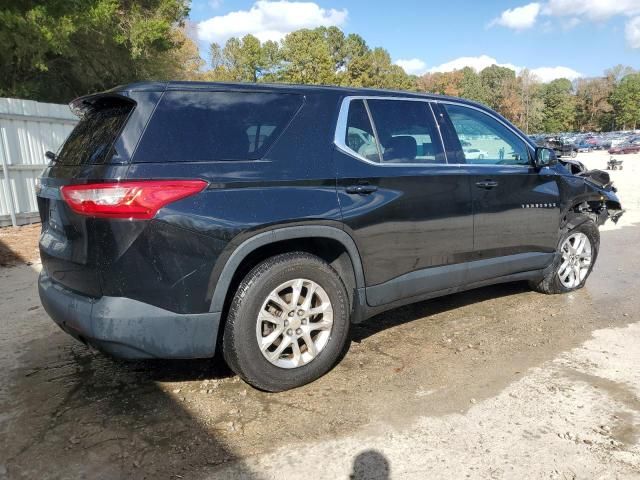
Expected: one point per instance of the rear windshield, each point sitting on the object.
(91, 141)
(205, 126)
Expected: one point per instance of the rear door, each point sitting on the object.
(516, 207)
(408, 210)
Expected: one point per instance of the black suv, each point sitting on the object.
(263, 219)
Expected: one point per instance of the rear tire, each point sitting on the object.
(288, 323)
(570, 269)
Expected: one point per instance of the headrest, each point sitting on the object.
(401, 149)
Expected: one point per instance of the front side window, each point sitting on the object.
(484, 140)
(406, 131)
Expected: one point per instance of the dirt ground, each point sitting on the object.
(499, 382)
(19, 245)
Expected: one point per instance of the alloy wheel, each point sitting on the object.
(576, 260)
(294, 323)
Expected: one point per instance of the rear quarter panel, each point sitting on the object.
(189, 241)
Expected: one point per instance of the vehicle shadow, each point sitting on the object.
(75, 414)
(179, 370)
(19, 245)
(427, 308)
(216, 368)
(68, 412)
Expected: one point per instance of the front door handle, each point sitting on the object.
(487, 184)
(361, 189)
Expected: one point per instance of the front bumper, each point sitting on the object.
(127, 328)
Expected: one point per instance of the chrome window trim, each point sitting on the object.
(341, 131)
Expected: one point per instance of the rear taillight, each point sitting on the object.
(136, 200)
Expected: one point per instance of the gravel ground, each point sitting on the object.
(499, 382)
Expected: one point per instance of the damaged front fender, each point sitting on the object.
(598, 200)
(599, 210)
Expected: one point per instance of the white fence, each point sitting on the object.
(27, 130)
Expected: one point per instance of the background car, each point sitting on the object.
(632, 146)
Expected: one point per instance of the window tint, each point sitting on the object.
(359, 134)
(92, 138)
(484, 140)
(204, 126)
(406, 131)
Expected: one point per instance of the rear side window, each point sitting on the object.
(91, 140)
(392, 131)
(205, 126)
(359, 135)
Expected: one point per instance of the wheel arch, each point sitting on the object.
(282, 237)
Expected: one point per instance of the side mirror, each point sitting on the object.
(545, 157)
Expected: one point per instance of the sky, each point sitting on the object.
(553, 38)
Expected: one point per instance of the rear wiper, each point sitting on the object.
(51, 156)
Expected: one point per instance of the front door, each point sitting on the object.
(516, 206)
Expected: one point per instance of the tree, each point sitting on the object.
(529, 118)
(617, 73)
(355, 51)
(57, 50)
(471, 86)
(183, 62)
(326, 56)
(380, 72)
(511, 102)
(307, 58)
(626, 101)
(559, 106)
(592, 103)
(242, 60)
(442, 83)
(493, 79)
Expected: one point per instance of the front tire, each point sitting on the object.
(576, 256)
(288, 323)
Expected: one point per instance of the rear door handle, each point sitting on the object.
(361, 189)
(487, 184)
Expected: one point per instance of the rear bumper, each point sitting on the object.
(127, 328)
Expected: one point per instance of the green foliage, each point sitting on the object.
(308, 57)
(493, 79)
(559, 106)
(321, 56)
(531, 115)
(55, 50)
(243, 60)
(471, 86)
(626, 101)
